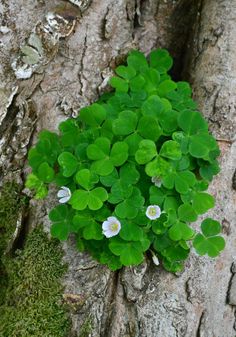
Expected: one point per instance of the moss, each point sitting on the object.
(11, 202)
(86, 328)
(33, 303)
(31, 291)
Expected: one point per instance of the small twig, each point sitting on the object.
(230, 141)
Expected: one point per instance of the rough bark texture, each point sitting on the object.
(144, 301)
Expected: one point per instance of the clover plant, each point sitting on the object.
(132, 170)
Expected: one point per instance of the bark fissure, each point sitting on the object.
(103, 25)
(122, 318)
(14, 142)
(231, 291)
(80, 73)
(198, 32)
(9, 117)
(183, 18)
(110, 304)
(234, 180)
(199, 326)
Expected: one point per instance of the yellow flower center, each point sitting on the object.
(152, 211)
(114, 226)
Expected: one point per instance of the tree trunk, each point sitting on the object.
(143, 301)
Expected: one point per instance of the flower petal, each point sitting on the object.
(153, 212)
(112, 219)
(111, 226)
(108, 233)
(64, 200)
(65, 188)
(155, 260)
(105, 225)
(62, 193)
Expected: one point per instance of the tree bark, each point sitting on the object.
(143, 301)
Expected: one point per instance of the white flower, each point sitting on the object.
(156, 181)
(111, 227)
(64, 194)
(155, 259)
(153, 212)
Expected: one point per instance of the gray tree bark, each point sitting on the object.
(77, 58)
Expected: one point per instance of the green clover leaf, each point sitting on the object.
(152, 79)
(69, 132)
(129, 208)
(201, 145)
(137, 83)
(62, 224)
(182, 181)
(181, 231)
(161, 60)
(207, 171)
(45, 173)
(172, 266)
(121, 186)
(119, 84)
(149, 128)
(126, 72)
(183, 141)
(153, 106)
(158, 225)
(210, 227)
(187, 213)
(171, 203)
(119, 192)
(93, 199)
(110, 179)
(165, 87)
(158, 167)
(46, 150)
(105, 159)
(69, 163)
(100, 149)
(146, 152)
(91, 229)
(131, 253)
(129, 174)
(34, 183)
(171, 150)
(113, 262)
(133, 141)
(192, 122)
(175, 253)
(119, 153)
(161, 109)
(137, 60)
(93, 115)
(125, 124)
(131, 232)
(202, 202)
(157, 195)
(209, 242)
(86, 179)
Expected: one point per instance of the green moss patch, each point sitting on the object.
(11, 202)
(31, 291)
(33, 302)
(86, 328)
